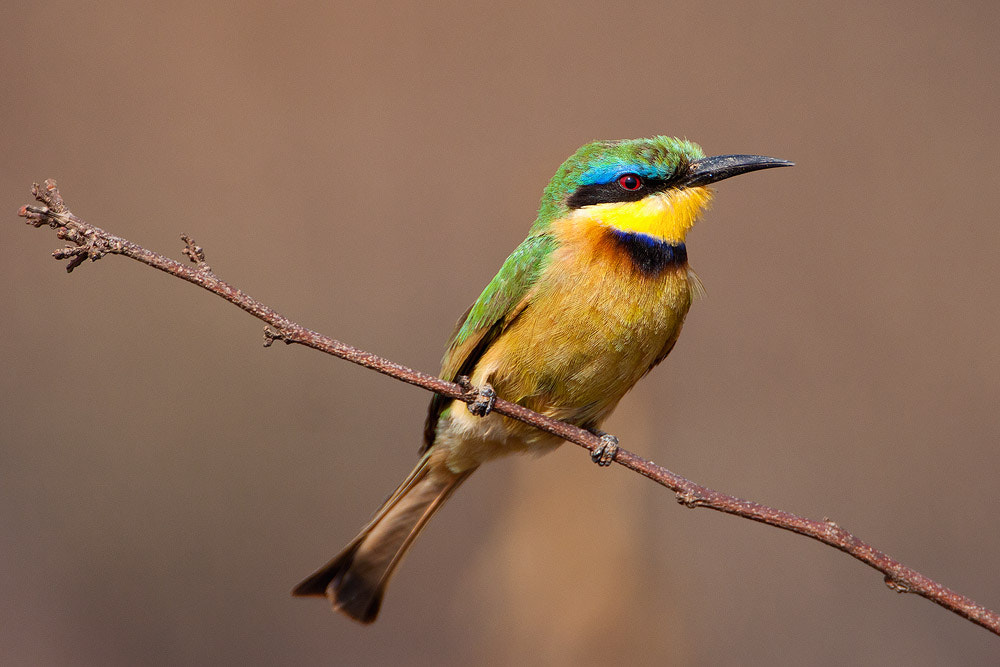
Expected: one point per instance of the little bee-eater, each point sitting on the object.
(590, 302)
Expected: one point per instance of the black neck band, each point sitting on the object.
(650, 255)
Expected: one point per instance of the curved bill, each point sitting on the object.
(712, 169)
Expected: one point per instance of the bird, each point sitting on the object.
(592, 300)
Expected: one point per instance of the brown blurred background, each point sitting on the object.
(165, 481)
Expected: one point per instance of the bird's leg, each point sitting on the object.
(485, 397)
(483, 405)
(605, 454)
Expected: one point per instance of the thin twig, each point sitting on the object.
(92, 243)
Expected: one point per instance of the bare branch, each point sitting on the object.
(93, 243)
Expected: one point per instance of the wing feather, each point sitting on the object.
(506, 297)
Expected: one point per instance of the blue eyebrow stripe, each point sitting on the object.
(606, 173)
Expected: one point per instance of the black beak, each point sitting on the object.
(711, 169)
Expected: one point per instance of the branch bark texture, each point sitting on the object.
(91, 242)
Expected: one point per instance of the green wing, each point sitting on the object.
(503, 300)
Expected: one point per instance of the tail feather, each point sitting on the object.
(356, 579)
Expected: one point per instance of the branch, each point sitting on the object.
(90, 242)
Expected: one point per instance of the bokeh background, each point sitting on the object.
(165, 481)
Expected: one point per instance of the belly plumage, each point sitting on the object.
(596, 322)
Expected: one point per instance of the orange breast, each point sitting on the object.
(595, 324)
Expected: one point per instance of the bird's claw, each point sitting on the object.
(605, 454)
(486, 397)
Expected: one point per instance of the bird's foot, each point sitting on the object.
(605, 454)
(486, 397)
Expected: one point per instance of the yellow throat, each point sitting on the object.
(666, 215)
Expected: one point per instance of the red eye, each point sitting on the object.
(629, 182)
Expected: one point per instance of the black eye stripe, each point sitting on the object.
(604, 193)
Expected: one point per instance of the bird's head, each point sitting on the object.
(657, 187)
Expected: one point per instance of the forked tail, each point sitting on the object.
(355, 580)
